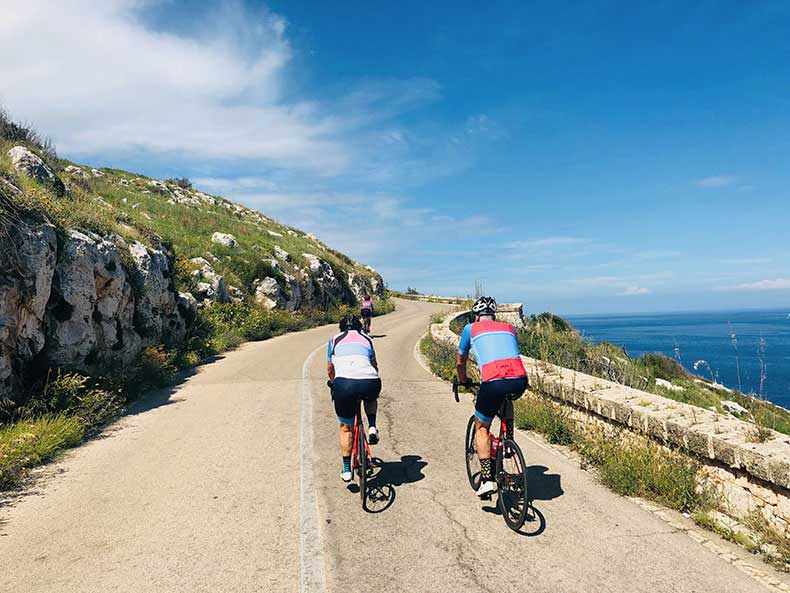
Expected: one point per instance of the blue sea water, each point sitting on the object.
(707, 336)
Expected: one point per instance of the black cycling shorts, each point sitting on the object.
(493, 393)
(346, 394)
(367, 313)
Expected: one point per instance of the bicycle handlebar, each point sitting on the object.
(456, 385)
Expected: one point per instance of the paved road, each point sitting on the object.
(201, 490)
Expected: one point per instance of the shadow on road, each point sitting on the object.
(540, 486)
(387, 475)
(164, 397)
(374, 336)
(543, 486)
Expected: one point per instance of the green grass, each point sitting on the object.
(533, 412)
(705, 520)
(773, 544)
(28, 443)
(635, 466)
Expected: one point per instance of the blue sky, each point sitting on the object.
(612, 157)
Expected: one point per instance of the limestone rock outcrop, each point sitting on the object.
(211, 287)
(77, 306)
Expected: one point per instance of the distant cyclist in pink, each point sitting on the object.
(366, 311)
(502, 375)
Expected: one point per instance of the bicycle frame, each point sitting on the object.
(358, 425)
(503, 425)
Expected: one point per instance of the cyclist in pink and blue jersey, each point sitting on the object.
(366, 310)
(353, 376)
(503, 377)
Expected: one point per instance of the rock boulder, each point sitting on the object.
(224, 239)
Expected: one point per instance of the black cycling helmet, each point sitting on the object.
(350, 322)
(484, 306)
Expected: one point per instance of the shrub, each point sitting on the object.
(96, 407)
(383, 306)
(664, 367)
(25, 134)
(437, 317)
(156, 368)
(248, 272)
(441, 357)
(533, 412)
(61, 392)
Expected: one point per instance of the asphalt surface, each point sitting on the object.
(208, 487)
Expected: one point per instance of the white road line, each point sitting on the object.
(418, 356)
(312, 564)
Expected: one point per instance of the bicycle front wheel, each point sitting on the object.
(362, 452)
(473, 471)
(511, 477)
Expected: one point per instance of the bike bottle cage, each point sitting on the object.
(345, 334)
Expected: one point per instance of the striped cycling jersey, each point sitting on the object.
(353, 356)
(367, 305)
(495, 348)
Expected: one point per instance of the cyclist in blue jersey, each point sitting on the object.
(353, 376)
(366, 310)
(503, 377)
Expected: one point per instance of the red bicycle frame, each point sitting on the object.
(355, 447)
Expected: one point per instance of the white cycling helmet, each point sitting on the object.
(484, 306)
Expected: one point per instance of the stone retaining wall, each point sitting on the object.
(750, 476)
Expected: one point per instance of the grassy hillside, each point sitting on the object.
(144, 209)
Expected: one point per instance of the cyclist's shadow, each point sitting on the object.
(386, 476)
(540, 486)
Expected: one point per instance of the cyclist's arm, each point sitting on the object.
(330, 367)
(463, 353)
(460, 367)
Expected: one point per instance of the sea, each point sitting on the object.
(747, 350)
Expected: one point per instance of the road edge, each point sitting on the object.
(310, 553)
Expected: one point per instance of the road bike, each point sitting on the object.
(360, 455)
(509, 467)
(366, 323)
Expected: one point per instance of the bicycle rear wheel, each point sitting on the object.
(362, 467)
(473, 471)
(511, 477)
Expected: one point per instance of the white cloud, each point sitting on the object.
(718, 181)
(761, 285)
(634, 290)
(100, 80)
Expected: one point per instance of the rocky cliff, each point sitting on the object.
(87, 280)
